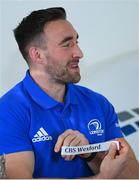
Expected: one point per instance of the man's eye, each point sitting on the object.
(67, 44)
(70, 44)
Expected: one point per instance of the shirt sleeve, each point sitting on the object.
(14, 128)
(113, 129)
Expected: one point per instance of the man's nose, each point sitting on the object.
(77, 52)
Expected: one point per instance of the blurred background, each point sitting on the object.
(109, 37)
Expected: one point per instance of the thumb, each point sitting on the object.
(112, 150)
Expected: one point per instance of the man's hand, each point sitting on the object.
(70, 138)
(114, 163)
(131, 168)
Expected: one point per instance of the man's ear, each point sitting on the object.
(36, 55)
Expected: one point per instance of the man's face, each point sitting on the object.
(62, 53)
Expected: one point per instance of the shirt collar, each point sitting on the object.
(41, 97)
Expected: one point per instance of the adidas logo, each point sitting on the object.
(41, 135)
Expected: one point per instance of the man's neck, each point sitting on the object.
(53, 89)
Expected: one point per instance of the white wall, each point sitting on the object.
(117, 78)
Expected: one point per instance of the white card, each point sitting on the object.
(74, 150)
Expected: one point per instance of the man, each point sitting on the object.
(46, 110)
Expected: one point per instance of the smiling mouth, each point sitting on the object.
(74, 68)
(74, 65)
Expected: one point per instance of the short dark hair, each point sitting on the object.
(31, 27)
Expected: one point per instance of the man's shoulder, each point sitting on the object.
(86, 92)
(15, 96)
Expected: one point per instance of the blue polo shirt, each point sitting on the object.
(31, 120)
